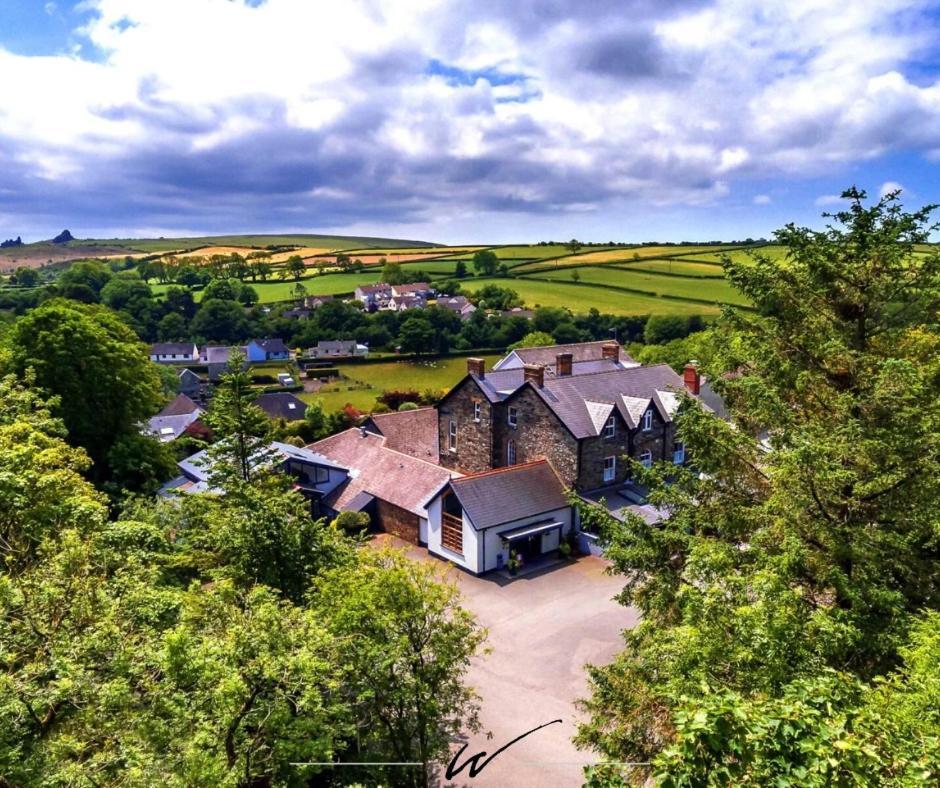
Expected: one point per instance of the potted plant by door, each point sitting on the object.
(513, 562)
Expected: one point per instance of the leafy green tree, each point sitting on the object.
(248, 296)
(665, 328)
(26, 277)
(172, 327)
(295, 266)
(124, 289)
(460, 270)
(224, 289)
(139, 464)
(80, 277)
(406, 645)
(220, 321)
(776, 567)
(392, 274)
(417, 335)
(485, 262)
(96, 368)
(495, 297)
(534, 339)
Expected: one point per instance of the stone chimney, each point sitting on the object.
(563, 364)
(534, 373)
(691, 377)
(610, 350)
(476, 366)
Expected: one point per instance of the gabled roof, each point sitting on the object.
(414, 287)
(172, 348)
(275, 345)
(337, 344)
(629, 391)
(412, 432)
(378, 287)
(181, 405)
(509, 494)
(282, 405)
(188, 376)
(397, 478)
(547, 355)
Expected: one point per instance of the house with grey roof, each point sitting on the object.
(580, 353)
(174, 419)
(459, 305)
(338, 348)
(584, 416)
(477, 521)
(260, 350)
(282, 405)
(174, 352)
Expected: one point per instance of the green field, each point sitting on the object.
(671, 266)
(716, 290)
(260, 241)
(360, 384)
(774, 252)
(323, 284)
(581, 297)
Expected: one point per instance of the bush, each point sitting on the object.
(407, 406)
(394, 398)
(351, 522)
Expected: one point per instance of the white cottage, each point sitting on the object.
(475, 521)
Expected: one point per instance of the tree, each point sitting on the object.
(664, 328)
(242, 426)
(533, 339)
(295, 266)
(224, 289)
(485, 262)
(407, 647)
(573, 246)
(417, 335)
(460, 270)
(392, 273)
(248, 296)
(26, 277)
(776, 568)
(220, 321)
(575, 277)
(172, 327)
(123, 290)
(96, 368)
(496, 297)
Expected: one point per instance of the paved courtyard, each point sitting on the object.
(543, 628)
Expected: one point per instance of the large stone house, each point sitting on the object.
(583, 416)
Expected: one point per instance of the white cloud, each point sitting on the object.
(762, 199)
(826, 200)
(892, 186)
(555, 110)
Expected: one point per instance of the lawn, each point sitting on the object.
(774, 252)
(717, 290)
(323, 284)
(360, 384)
(581, 297)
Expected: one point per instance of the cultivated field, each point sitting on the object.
(714, 290)
(360, 384)
(581, 297)
(279, 290)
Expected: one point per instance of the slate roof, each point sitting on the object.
(410, 289)
(337, 346)
(172, 349)
(181, 405)
(376, 289)
(580, 351)
(412, 432)
(282, 405)
(275, 345)
(220, 355)
(509, 494)
(630, 391)
(382, 472)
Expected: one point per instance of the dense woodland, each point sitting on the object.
(790, 631)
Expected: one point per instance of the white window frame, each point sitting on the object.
(510, 452)
(512, 417)
(678, 455)
(452, 435)
(648, 420)
(610, 469)
(610, 428)
(646, 458)
(477, 411)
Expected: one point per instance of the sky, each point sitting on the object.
(457, 122)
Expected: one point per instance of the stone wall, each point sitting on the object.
(538, 435)
(396, 520)
(595, 450)
(474, 440)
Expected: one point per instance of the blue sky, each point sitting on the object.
(604, 120)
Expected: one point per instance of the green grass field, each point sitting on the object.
(671, 266)
(774, 252)
(716, 290)
(360, 384)
(581, 297)
(259, 241)
(324, 284)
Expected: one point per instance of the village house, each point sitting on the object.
(403, 303)
(459, 305)
(174, 352)
(416, 289)
(316, 301)
(392, 487)
(583, 416)
(478, 521)
(373, 296)
(338, 348)
(217, 358)
(175, 419)
(282, 405)
(260, 350)
(606, 354)
(191, 384)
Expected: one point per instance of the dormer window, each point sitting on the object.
(610, 428)
(648, 420)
